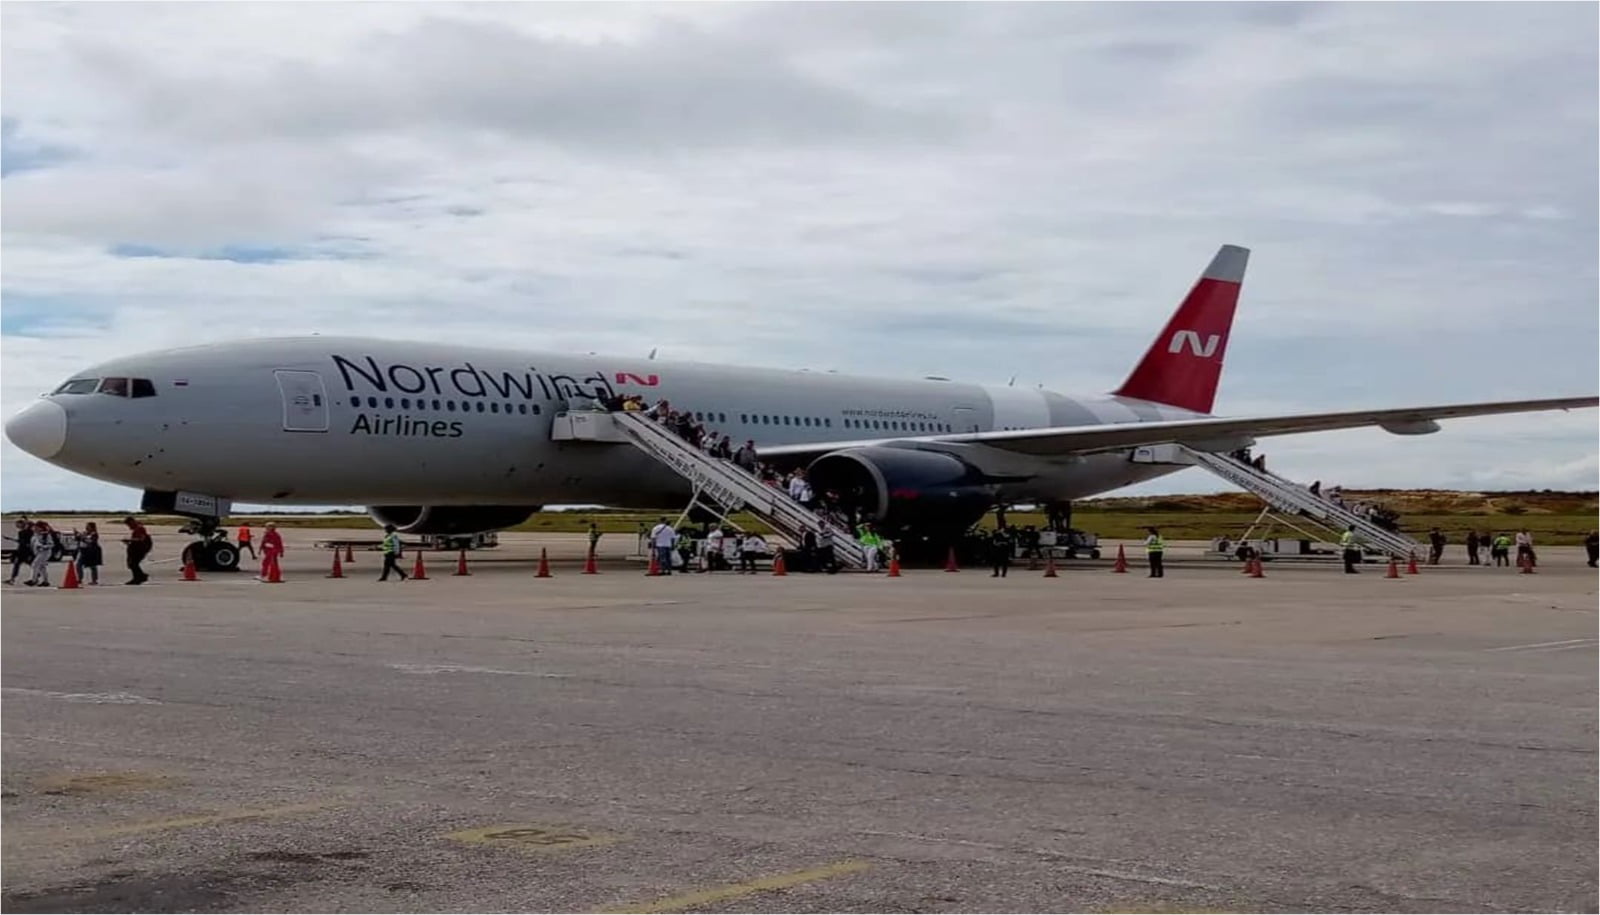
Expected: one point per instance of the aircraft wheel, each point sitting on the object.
(1094, 554)
(221, 557)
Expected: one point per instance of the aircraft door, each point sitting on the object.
(305, 402)
(966, 420)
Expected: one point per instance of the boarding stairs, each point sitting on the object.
(721, 486)
(1294, 501)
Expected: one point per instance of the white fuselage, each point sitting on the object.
(322, 420)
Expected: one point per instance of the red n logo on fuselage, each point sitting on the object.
(648, 381)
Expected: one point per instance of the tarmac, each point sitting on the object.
(1306, 741)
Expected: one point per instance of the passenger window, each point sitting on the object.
(535, 409)
(827, 422)
(722, 417)
(436, 405)
(78, 386)
(405, 403)
(143, 387)
(449, 406)
(522, 408)
(116, 387)
(388, 403)
(494, 408)
(480, 406)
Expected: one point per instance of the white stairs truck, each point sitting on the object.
(1296, 501)
(719, 485)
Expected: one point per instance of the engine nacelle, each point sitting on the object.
(900, 488)
(451, 519)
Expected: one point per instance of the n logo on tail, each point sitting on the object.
(1189, 338)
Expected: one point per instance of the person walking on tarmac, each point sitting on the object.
(1154, 548)
(1000, 548)
(1351, 549)
(1472, 548)
(90, 556)
(391, 554)
(22, 555)
(246, 542)
(1591, 545)
(1525, 548)
(594, 536)
(1436, 544)
(139, 544)
(662, 537)
(271, 551)
(1500, 550)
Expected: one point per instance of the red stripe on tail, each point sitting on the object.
(1184, 364)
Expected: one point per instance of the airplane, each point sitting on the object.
(446, 439)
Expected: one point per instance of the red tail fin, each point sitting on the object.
(1184, 363)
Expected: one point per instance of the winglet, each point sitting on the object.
(1184, 364)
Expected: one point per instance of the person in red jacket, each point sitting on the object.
(271, 549)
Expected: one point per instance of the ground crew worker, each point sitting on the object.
(594, 536)
(1472, 548)
(1591, 545)
(1155, 548)
(871, 544)
(139, 544)
(1351, 549)
(391, 554)
(1000, 552)
(271, 550)
(1500, 551)
(244, 539)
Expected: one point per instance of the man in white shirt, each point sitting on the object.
(663, 538)
(753, 547)
(712, 554)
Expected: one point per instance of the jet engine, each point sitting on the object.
(451, 519)
(903, 488)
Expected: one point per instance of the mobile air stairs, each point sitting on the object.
(1294, 504)
(718, 485)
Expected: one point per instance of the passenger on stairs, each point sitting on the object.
(1316, 488)
(746, 456)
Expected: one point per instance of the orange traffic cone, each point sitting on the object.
(349, 555)
(544, 564)
(189, 571)
(338, 568)
(1249, 563)
(950, 561)
(894, 566)
(777, 564)
(461, 564)
(1411, 567)
(655, 564)
(1050, 567)
(1394, 569)
(69, 582)
(418, 573)
(589, 567)
(1121, 565)
(1256, 570)
(1526, 564)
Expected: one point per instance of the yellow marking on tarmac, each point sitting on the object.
(103, 783)
(737, 890)
(232, 816)
(533, 838)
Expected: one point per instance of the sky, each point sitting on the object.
(979, 191)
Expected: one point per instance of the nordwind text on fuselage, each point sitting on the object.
(368, 375)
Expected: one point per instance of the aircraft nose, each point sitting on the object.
(40, 430)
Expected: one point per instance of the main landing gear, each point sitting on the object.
(210, 550)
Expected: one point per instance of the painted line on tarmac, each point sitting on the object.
(739, 890)
(94, 698)
(1572, 642)
(132, 829)
(534, 838)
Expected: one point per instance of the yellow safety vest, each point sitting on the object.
(1155, 544)
(1348, 540)
(391, 545)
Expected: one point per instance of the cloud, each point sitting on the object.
(969, 190)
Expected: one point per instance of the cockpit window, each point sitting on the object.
(142, 387)
(117, 387)
(78, 386)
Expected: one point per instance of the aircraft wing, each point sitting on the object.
(1211, 434)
